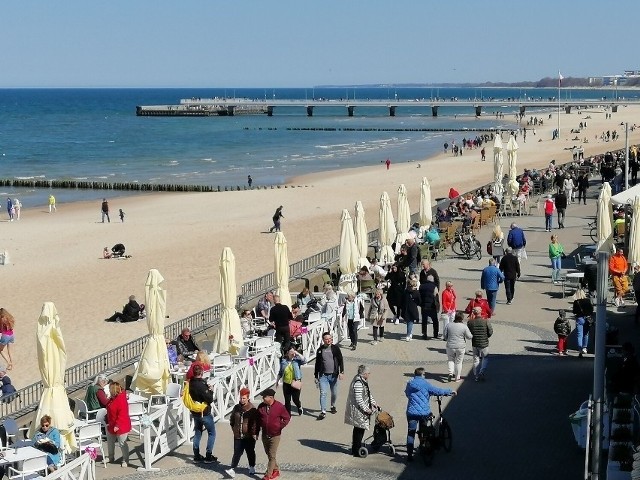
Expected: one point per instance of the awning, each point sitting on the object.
(627, 196)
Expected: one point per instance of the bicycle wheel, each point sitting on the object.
(457, 247)
(593, 233)
(478, 251)
(428, 451)
(445, 436)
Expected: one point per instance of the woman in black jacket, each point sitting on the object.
(395, 294)
(412, 301)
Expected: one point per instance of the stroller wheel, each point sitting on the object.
(363, 452)
(392, 450)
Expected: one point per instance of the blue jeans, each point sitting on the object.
(548, 221)
(582, 329)
(206, 421)
(556, 265)
(327, 382)
(491, 298)
(409, 327)
(412, 421)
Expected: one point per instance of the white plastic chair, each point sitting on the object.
(30, 469)
(83, 412)
(221, 363)
(262, 344)
(243, 354)
(13, 433)
(90, 435)
(136, 410)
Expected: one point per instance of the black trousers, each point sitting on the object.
(582, 195)
(353, 332)
(283, 336)
(289, 392)
(241, 445)
(509, 288)
(356, 440)
(431, 313)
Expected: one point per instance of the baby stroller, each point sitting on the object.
(381, 436)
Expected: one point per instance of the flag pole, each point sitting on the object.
(559, 85)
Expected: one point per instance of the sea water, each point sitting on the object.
(95, 135)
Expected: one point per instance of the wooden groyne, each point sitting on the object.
(132, 186)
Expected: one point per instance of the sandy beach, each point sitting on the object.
(57, 257)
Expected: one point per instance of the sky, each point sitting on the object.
(301, 43)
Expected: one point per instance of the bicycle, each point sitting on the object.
(434, 434)
(593, 232)
(466, 244)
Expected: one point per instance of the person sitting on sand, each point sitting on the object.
(106, 254)
(131, 312)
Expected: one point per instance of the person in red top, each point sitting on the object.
(448, 304)
(480, 302)
(118, 422)
(549, 208)
(273, 418)
(202, 359)
(388, 163)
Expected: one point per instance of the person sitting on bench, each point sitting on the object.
(131, 312)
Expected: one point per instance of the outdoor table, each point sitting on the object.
(575, 275)
(135, 398)
(20, 454)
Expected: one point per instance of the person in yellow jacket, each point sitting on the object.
(618, 267)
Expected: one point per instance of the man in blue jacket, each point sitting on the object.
(490, 281)
(419, 391)
(517, 241)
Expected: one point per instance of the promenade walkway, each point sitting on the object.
(514, 425)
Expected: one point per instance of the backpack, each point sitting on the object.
(190, 403)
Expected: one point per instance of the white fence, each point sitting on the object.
(81, 468)
(169, 426)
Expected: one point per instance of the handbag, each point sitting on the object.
(297, 384)
(489, 247)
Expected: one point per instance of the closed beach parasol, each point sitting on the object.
(512, 155)
(387, 229)
(404, 214)
(281, 269)
(604, 215)
(152, 375)
(426, 215)
(52, 362)
(634, 240)
(498, 164)
(229, 320)
(348, 254)
(362, 235)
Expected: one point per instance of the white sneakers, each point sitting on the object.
(396, 321)
(408, 338)
(375, 342)
(584, 350)
(232, 473)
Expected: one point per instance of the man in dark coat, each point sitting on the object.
(510, 267)
(561, 207)
(130, 312)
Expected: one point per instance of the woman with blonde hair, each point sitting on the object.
(497, 243)
(118, 423)
(7, 323)
(202, 359)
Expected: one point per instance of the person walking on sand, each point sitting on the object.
(7, 324)
(52, 203)
(10, 210)
(122, 216)
(249, 180)
(105, 210)
(17, 206)
(388, 163)
(276, 219)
